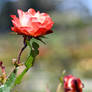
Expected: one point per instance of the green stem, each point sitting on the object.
(30, 61)
(12, 80)
(28, 65)
(19, 78)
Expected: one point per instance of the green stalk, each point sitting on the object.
(19, 78)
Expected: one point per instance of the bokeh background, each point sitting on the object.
(69, 48)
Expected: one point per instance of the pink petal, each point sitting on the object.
(15, 20)
(31, 11)
(20, 13)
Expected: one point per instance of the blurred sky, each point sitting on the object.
(71, 3)
(88, 3)
(68, 4)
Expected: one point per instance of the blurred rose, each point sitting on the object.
(72, 84)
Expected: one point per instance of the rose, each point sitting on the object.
(72, 84)
(32, 23)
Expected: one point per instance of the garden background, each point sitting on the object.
(68, 48)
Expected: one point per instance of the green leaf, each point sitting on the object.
(34, 53)
(35, 45)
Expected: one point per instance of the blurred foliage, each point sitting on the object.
(64, 51)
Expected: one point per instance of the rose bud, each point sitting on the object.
(72, 84)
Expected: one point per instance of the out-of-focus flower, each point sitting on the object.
(2, 67)
(3, 77)
(32, 23)
(72, 84)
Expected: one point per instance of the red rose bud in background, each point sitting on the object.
(72, 84)
(32, 23)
